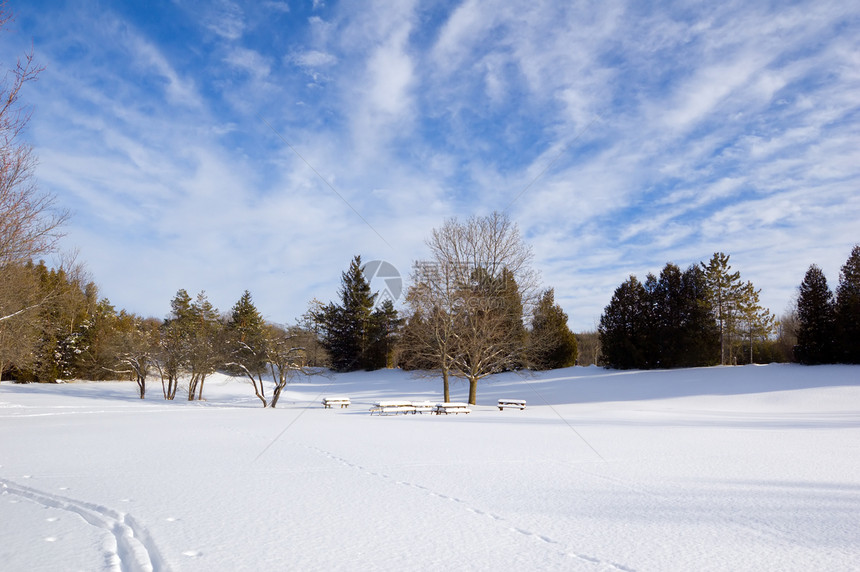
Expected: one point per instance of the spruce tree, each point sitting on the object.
(346, 328)
(816, 319)
(848, 310)
(551, 343)
(205, 352)
(172, 355)
(247, 342)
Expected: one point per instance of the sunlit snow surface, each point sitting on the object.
(740, 468)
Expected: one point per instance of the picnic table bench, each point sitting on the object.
(518, 403)
(447, 408)
(422, 406)
(328, 402)
(392, 407)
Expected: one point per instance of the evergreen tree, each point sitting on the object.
(624, 327)
(246, 342)
(511, 305)
(724, 288)
(551, 343)
(700, 338)
(757, 322)
(347, 327)
(174, 343)
(683, 329)
(383, 335)
(816, 319)
(96, 341)
(665, 322)
(848, 309)
(206, 350)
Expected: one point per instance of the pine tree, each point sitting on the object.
(724, 288)
(757, 322)
(816, 319)
(848, 309)
(551, 343)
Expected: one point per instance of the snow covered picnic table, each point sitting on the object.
(518, 403)
(422, 406)
(328, 402)
(447, 408)
(395, 407)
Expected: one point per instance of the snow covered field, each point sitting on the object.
(741, 468)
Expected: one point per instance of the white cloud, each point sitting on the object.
(250, 61)
(226, 19)
(282, 7)
(313, 59)
(719, 128)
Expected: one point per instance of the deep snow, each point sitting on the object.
(734, 468)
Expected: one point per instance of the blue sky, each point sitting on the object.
(618, 135)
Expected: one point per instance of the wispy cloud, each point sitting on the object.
(633, 134)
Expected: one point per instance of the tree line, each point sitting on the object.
(473, 308)
(704, 315)
(828, 326)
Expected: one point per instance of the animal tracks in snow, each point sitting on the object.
(128, 546)
(492, 516)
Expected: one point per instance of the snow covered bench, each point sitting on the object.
(328, 402)
(422, 406)
(392, 407)
(447, 408)
(518, 403)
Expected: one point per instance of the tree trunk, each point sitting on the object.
(192, 387)
(259, 392)
(276, 394)
(445, 386)
(473, 390)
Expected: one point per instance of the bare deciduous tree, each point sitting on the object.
(468, 299)
(588, 346)
(287, 356)
(28, 221)
(137, 347)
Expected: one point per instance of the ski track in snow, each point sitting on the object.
(495, 517)
(129, 548)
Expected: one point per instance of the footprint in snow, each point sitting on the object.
(51, 539)
(171, 519)
(192, 553)
(53, 519)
